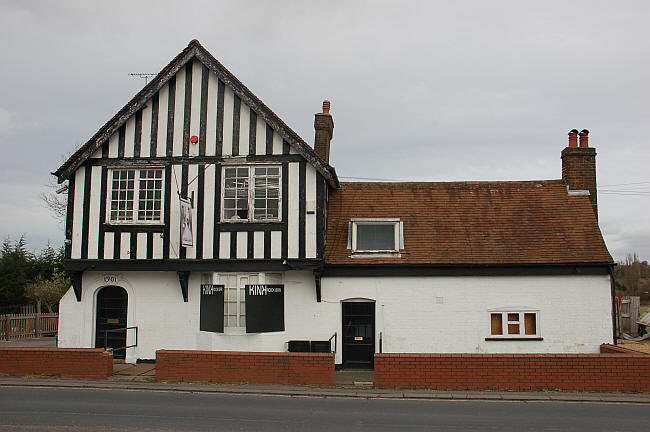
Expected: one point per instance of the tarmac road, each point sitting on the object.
(71, 409)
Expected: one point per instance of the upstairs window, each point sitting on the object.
(135, 195)
(375, 235)
(251, 193)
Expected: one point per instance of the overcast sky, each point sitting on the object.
(429, 91)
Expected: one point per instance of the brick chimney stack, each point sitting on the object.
(324, 126)
(579, 166)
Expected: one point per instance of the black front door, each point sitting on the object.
(358, 334)
(111, 315)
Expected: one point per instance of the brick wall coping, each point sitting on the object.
(34, 349)
(244, 366)
(94, 363)
(244, 353)
(613, 370)
(626, 354)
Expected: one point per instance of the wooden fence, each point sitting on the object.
(26, 326)
(628, 314)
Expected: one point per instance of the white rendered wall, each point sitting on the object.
(450, 314)
(164, 321)
(414, 314)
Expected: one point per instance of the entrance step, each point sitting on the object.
(133, 372)
(354, 377)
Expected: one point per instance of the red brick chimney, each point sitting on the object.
(324, 126)
(579, 167)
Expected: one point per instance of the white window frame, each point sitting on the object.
(251, 189)
(521, 322)
(398, 234)
(136, 197)
(221, 279)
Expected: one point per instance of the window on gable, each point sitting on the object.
(135, 195)
(514, 324)
(375, 235)
(251, 193)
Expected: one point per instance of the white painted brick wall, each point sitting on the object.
(414, 314)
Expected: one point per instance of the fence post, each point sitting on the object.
(8, 327)
(37, 325)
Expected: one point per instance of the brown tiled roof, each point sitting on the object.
(471, 223)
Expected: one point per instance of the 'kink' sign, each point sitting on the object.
(211, 318)
(264, 308)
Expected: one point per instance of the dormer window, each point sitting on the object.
(375, 235)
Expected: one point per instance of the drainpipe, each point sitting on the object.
(613, 289)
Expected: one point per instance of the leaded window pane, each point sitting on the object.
(266, 193)
(144, 184)
(149, 195)
(235, 203)
(251, 193)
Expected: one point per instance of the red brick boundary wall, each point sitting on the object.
(516, 372)
(245, 367)
(63, 362)
(616, 349)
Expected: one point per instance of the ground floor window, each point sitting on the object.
(234, 307)
(514, 324)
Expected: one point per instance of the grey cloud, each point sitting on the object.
(420, 90)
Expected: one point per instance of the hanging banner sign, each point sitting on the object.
(264, 308)
(211, 317)
(186, 223)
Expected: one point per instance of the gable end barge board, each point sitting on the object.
(195, 50)
(459, 270)
(193, 265)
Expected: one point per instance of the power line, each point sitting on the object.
(407, 180)
(626, 194)
(625, 190)
(371, 178)
(625, 184)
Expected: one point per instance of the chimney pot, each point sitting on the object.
(573, 138)
(579, 166)
(584, 138)
(324, 129)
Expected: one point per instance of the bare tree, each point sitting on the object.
(56, 200)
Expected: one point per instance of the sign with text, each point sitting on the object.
(211, 317)
(187, 239)
(264, 308)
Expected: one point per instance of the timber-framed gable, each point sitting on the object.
(180, 139)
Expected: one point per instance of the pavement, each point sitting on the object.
(42, 342)
(143, 372)
(146, 383)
